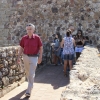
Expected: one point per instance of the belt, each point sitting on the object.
(32, 55)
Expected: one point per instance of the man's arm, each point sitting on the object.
(40, 55)
(20, 51)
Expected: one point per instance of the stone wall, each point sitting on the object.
(84, 77)
(49, 16)
(11, 72)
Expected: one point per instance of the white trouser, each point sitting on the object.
(30, 64)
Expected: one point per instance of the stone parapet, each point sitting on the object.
(84, 77)
(12, 73)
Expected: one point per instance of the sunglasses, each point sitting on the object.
(28, 25)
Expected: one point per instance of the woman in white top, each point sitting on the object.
(68, 44)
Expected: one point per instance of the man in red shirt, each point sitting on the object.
(31, 49)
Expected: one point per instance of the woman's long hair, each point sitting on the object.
(59, 36)
(81, 32)
(68, 33)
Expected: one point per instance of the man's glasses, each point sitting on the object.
(28, 25)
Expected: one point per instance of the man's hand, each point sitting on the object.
(18, 60)
(40, 55)
(39, 60)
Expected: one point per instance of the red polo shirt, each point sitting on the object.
(31, 45)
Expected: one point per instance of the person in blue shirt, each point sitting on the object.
(57, 48)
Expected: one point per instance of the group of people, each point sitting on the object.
(31, 48)
(68, 49)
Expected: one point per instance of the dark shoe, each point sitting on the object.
(27, 94)
(56, 64)
(68, 69)
(65, 74)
